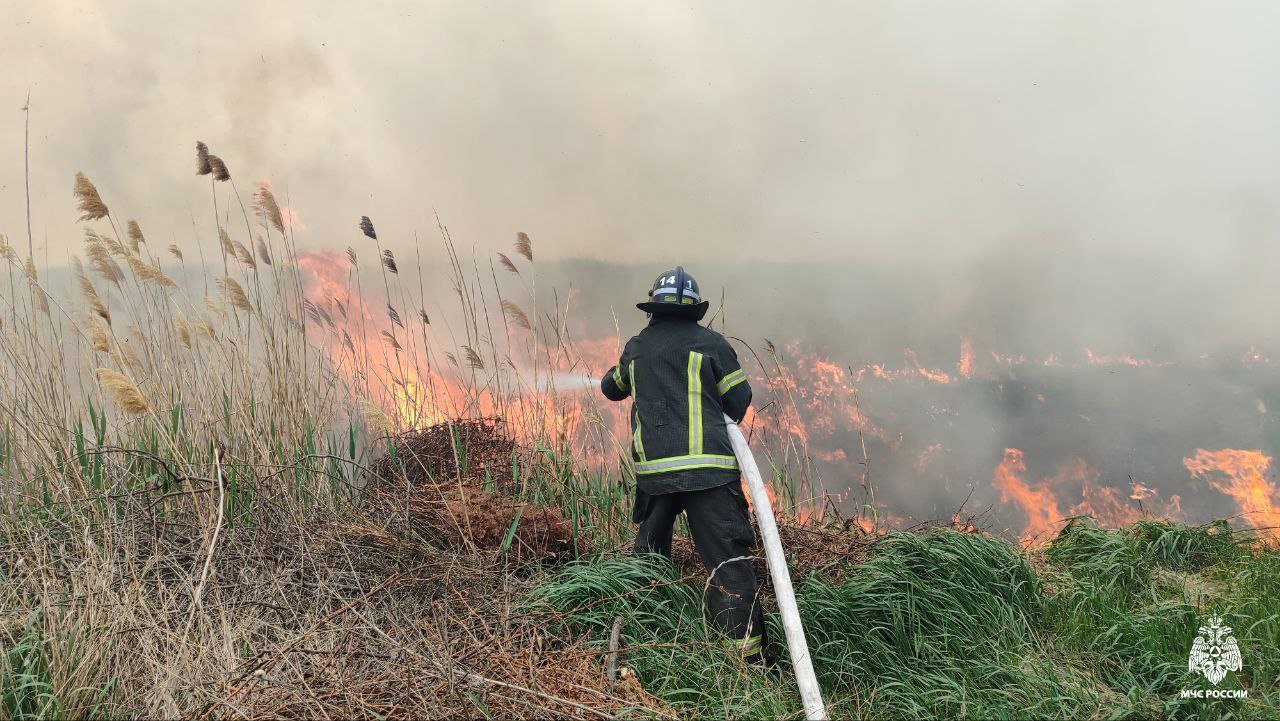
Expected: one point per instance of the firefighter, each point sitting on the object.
(683, 379)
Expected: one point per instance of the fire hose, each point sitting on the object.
(810, 693)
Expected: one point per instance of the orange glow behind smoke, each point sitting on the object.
(1241, 475)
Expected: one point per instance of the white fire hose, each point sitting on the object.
(810, 694)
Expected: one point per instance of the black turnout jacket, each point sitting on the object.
(682, 379)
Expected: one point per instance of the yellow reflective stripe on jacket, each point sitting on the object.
(681, 463)
(637, 439)
(747, 646)
(731, 380)
(695, 403)
(618, 380)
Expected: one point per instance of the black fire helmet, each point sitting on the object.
(675, 292)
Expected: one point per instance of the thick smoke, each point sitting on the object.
(1035, 178)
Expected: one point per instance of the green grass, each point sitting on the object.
(944, 624)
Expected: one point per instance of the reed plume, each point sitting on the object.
(524, 246)
(422, 314)
(228, 247)
(30, 270)
(473, 358)
(136, 237)
(6, 250)
(389, 261)
(366, 225)
(264, 255)
(39, 298)
(148, 273)
(506, 263)
(202, 159)
(375, 417)
(219, 168)
(123, 391)
(89, 292)
(264, 202)
(89, 202)
(234, 293)
(394, 315)
(244, 256)
(184, 330)
(514, 312)
(175, 250)
(351, 255)
(98, 337)
(391, 340)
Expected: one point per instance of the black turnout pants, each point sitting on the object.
(721, 530)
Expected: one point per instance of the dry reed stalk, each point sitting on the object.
(89, 202)
(125, 394)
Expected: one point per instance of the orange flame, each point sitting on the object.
(1241, 475)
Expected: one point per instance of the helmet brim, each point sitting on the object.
(695, 312)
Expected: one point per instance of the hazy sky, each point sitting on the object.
(861, 130)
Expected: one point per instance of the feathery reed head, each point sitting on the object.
(98, 337)
(374, 417)
(264, 202)
(506, 263)
(244, 256)
(135, 236)
(175, 250)
(391, 340)
(264, 255)
(202, 159)
(366, 225)
(219, 168)
(351, 255)
(234, 293)
(524, 246)
(228, 247)
(89, 202)
(422, 315)
(389, 261)
(514, 312)
(147, 273)
(123, 391)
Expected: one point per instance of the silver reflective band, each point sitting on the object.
(675, 291)
(680, 463)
